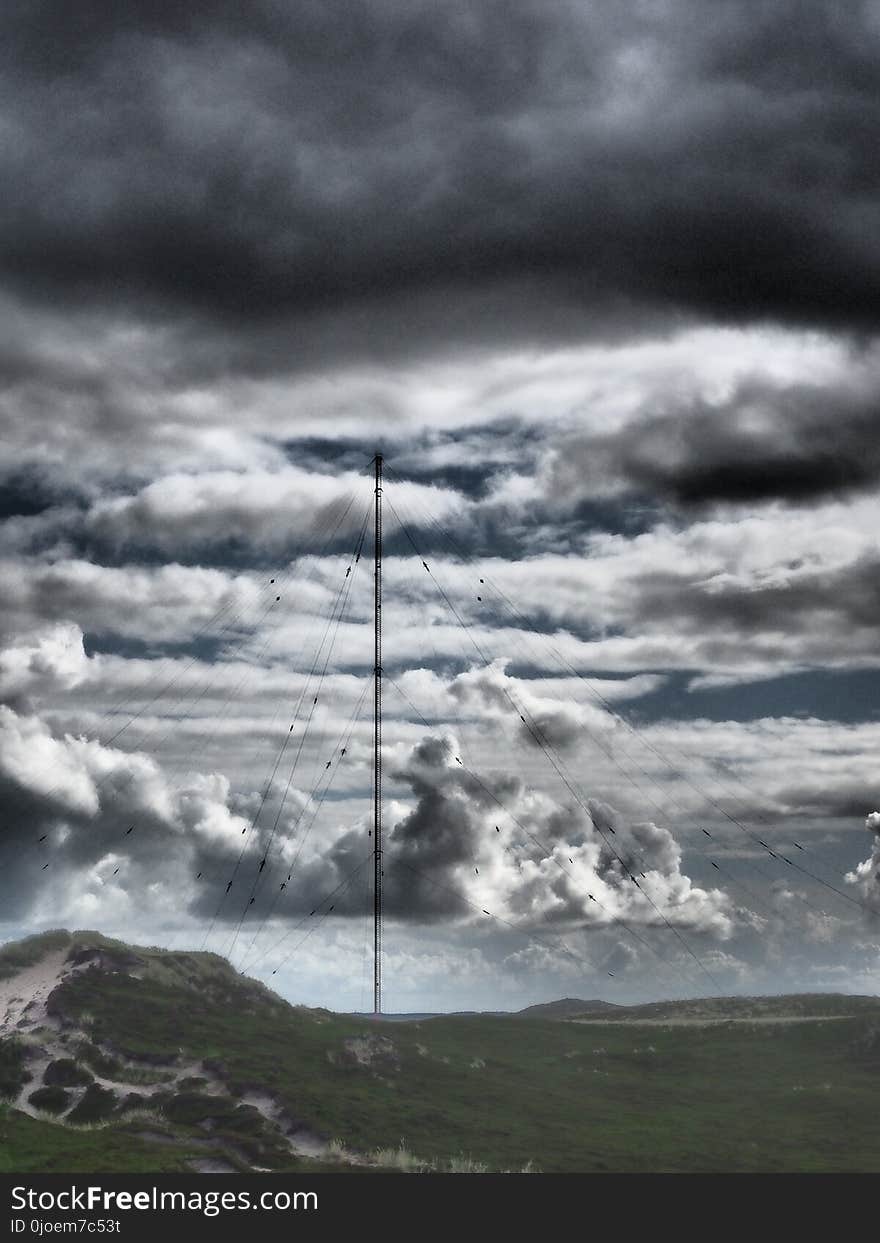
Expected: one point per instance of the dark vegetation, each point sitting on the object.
(51, 1100)
(13, 1072)
(240, 1126)
(66, 1073)
(97, 1104)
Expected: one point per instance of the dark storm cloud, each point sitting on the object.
(434, 855)
(763, 443)
(25, 494)
(441, 835)
(275, 160)
(828, 601)
(464, 459)
(431, 849)
(26, 818)
(424, 854)
(822, 798)
(558, 728)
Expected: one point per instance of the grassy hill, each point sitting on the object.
(793, 1006)
(172, 1060)
(571, 1007)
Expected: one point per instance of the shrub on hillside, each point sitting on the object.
(53, 1100)
(64, 1072)
(13, 1075)
(96, 1105)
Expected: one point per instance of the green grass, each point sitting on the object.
(730, 1097)
(30, 1145)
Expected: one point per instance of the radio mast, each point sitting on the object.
(377, 746)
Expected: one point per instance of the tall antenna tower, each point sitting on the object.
(377, 746)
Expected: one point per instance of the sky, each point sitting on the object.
(601, 281)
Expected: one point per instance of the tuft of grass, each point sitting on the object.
(337, 1151)
(465, 1165)
(400, 1159)
(406, 1162)
(143, 1113)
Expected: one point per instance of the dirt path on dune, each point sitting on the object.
(23, 996)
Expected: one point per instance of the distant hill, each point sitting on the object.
(704, 1009)
(720, 1009)
(567, 1008)
(116, 1057)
